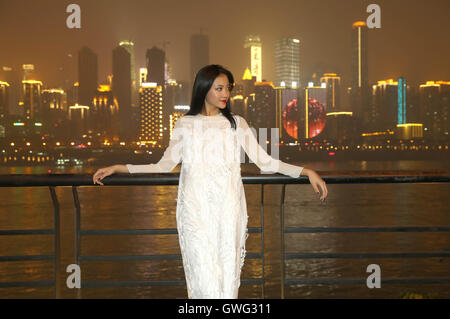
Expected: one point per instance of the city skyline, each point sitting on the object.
(391, 53)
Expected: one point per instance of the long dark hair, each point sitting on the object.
(203, 82)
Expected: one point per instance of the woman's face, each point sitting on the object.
(219, 93)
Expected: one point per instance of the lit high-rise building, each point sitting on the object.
(359, 55)
(286, 113)
(333, 82)
(313, 116)
(104, 113)
(87, 76)
(54, 99)
(121, 87)
(383, 111)
(261, 113)
(32, 99)
(401, 101)
(54, 109)
(287, 62)
(151, 103)
(4, 105)
(129, 46)
(360, 90)
(254, 46)
(79, 117)
(340, 127)
(434, 107)
(156, 59)
(28, 72)
(12, 76)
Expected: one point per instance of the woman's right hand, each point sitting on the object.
(102, 173)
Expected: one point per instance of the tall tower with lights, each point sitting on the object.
(254, 46)
(287, 62)
(151, 117)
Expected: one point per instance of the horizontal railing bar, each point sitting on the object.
(364, 281)
(130, 257)
(27, 232)
(14, 284)
(367, 229)
(160, 231)
(344, 177)
(367, 255)
(26, 257)
(147, 257)
(87, 284)
(95, 232)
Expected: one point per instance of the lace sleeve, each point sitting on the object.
(170, 158)
(259, 156)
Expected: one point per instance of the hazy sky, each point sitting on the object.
(413, 40)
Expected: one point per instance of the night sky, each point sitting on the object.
(413, 40)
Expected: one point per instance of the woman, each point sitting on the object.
(211, 209)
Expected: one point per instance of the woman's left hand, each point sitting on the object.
(316, 182)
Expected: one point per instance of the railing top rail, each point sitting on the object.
(330, 177)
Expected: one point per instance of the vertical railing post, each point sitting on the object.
(77, 226)
(283, 269)
(56, 242)
(262, 240)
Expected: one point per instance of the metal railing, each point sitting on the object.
(75, 180)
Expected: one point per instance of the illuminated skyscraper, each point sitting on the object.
(199, 53)
(248, 83)
(261, 113)
(286, 113)
(28, 72)
(4, 105)
(78, 116)
(360, 91)
(129, 46)
(121, 87)
(383, 111)
(54, 109)
(32, 99)
(401, 101)
(434, 106)
(359, 55)
(32, 106)
(340, 127)
(253, 43)
(313, 116)
(151, 103)
(333, 83)
(13, 78)
(287, 62)
(87, 76)
(105, 115)
(156, 59)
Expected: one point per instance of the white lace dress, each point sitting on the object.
(211, 209)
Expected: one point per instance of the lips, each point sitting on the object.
(223, 101)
